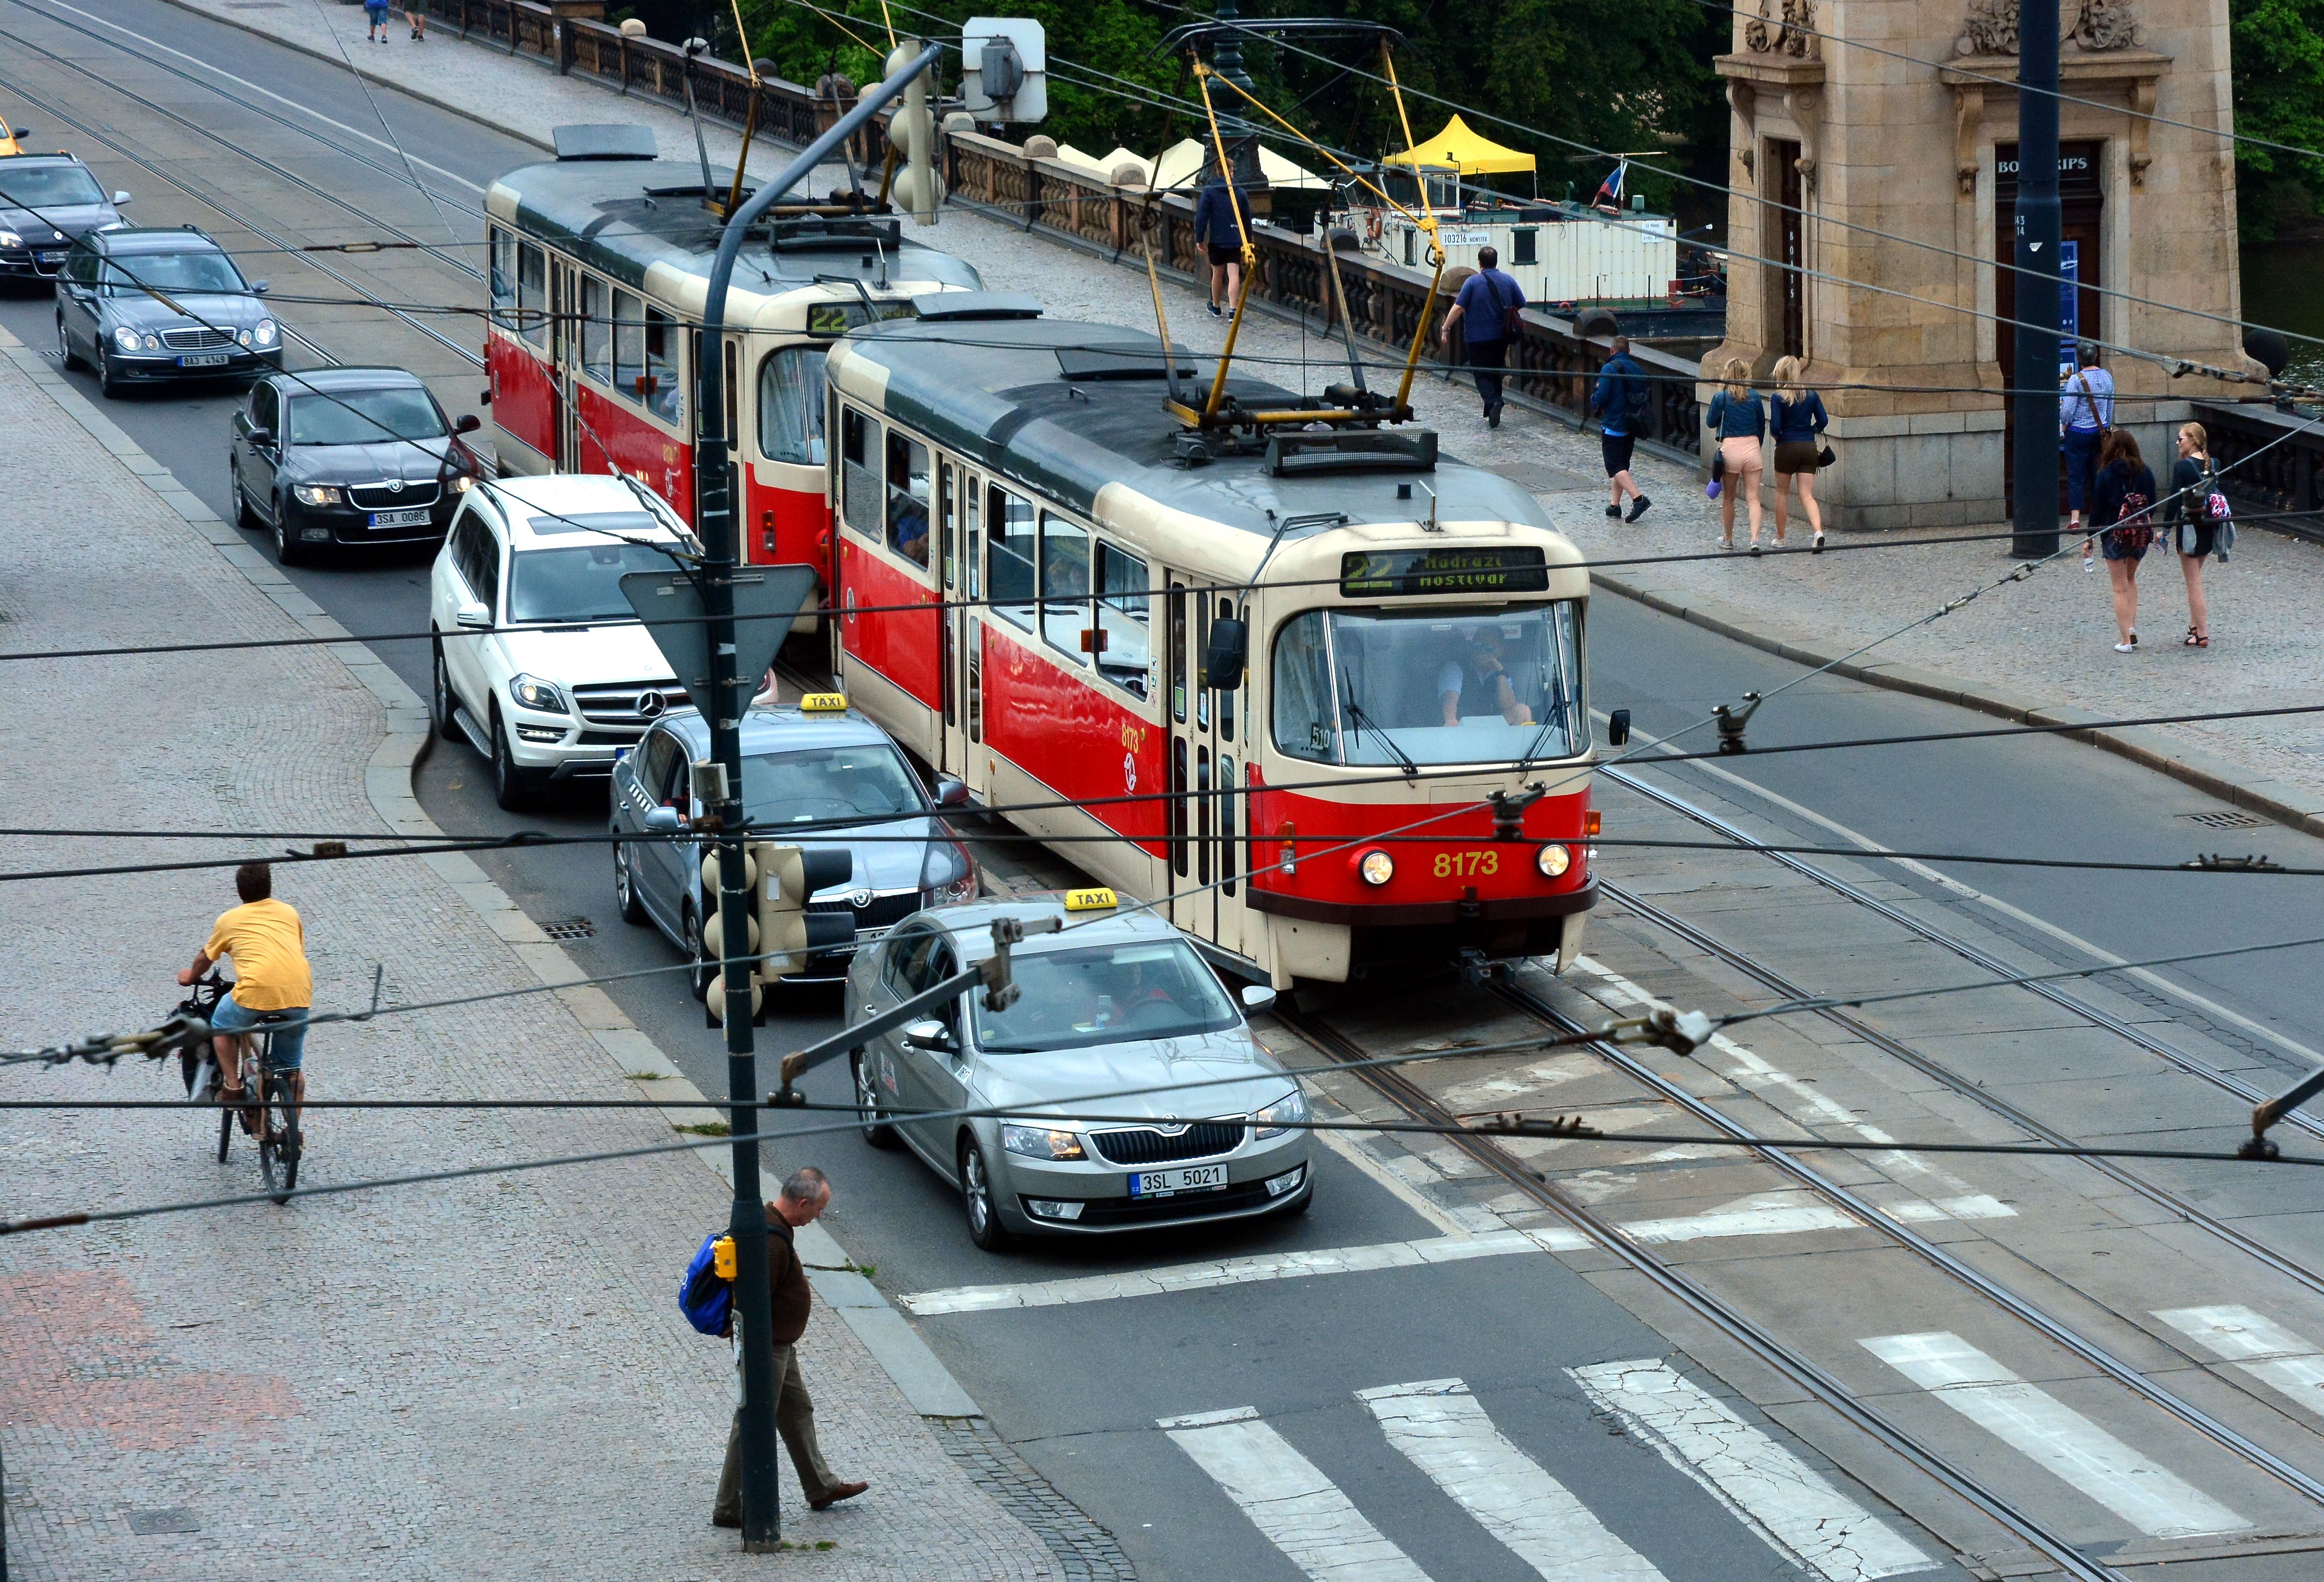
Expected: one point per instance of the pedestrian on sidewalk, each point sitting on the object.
(375, 13)
(2122, 504)
(2084, 417)
(1622, 401)
(416, 13)
(1222, 221)
(803, 1198)
(2194, 530)
(1486, 310)
(1796, 415)
(1737, 420)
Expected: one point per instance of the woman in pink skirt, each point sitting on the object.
(1737, 420)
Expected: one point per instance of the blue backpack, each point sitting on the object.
(705, 1297)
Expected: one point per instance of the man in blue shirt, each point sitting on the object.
(1621, 388)
(2084, 415)
(1218, 232)
(1485, 312)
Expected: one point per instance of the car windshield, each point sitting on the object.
(583, 583)
(1436, 686)
(867, 780)
(48, 187)
(364, 417)
(129, 275)
(1104, 993)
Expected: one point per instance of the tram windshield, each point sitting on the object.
(1436, 686)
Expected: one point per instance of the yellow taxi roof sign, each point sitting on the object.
(824, 703)
(1091, 900)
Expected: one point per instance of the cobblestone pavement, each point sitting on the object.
(477, 1378)
(2044, 642)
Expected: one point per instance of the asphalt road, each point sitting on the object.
(1079, 1388)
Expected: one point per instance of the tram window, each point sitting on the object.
(1008, 556)
(1178, 652)
(975, 540)
(1066, 587)
(1226, 697)
(1229, 805)
(533, 294)
(629, 345)
(1202, 815)
(596, 330)
(907, 497)
(1201, 672)
(859, 485)
(1121, 614)
(503, 266)
(1178, 806)
(947, 512)
(664, 394)
(1305, 725)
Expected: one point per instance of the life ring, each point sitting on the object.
(1371, 225)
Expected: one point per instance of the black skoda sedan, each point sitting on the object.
(336, 457)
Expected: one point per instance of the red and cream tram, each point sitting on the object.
(599, 267)
(1414, 634)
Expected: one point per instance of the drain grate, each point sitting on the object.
(571, 928)
(172, 1519)
(2226, 820)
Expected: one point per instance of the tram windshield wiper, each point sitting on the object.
(1364, 722)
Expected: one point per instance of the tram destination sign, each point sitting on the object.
(1479, 568)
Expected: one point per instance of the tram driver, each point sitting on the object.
(1473, 669)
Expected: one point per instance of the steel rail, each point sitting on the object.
(2053, 993)
(1929, 1253)
(1683, 1289)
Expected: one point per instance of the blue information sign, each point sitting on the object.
(2069, 307)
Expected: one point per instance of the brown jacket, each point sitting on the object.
(787, 1279)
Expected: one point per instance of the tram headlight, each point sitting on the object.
(1376, 866)
(1553, 860)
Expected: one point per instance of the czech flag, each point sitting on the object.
(1609, 191)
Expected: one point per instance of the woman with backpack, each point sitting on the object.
(1737, 420)
(1797, 416)
(2122, 504)
(2195, 512)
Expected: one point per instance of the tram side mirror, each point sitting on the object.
(1618, 727)
(467, 423)
(1223, 660)
(1258, 998)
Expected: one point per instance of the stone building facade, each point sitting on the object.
(1901, 119)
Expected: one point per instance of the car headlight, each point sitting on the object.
(1041, 1141)
(1283, 1113)
(11, 239)
(316, 494)
(266, 332)
(243, 338)
(462, 483)
(946, 872)
(535, 693)
(125, 338)
(1376, 867)
(1553, 860)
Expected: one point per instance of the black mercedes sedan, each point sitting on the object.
(48, 201)
(335, 457)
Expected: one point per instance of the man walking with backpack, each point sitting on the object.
(803, 1197)
(1486, 310)
(1622, 401)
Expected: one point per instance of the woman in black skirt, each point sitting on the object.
(2122, 502)
(2193, 531)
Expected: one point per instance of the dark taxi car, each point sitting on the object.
(341, 457)
(48, 201)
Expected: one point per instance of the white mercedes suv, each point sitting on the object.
(539, 661)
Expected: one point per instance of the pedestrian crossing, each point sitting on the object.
(1447, 1434)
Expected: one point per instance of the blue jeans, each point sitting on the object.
(290, 1040)
(2081, 451)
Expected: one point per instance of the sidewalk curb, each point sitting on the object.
(915, 1370)
(2150, 746)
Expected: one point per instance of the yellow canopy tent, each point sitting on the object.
(1459, 148)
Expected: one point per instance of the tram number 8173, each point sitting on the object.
(1467, 865)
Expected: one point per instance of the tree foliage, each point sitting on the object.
(2279, 93)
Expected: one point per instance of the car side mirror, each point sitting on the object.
(473, 613)
(1223, 658)
(261, 437)
(664, 821)
(951, 792)
(1618, 727)
(928, 1035)
(1258, 998)
(258, 288)
(467, 423)
(119, 199)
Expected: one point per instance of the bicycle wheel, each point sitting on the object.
(282, 1122)
(226, 1133)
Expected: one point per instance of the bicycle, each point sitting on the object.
(272, 1121)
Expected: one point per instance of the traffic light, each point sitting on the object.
(787, 932)
(912, 133)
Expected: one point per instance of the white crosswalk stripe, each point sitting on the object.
(1766, 1486)
(2260, 1346)
(1445, 1430)
(2051, 1434)
(1289, 1499)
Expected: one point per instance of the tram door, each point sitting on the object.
(1204, 817)
(564, 355)
(956, 499)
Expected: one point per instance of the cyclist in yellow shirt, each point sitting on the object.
(273, 988)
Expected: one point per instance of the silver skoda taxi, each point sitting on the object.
(1117, 1000)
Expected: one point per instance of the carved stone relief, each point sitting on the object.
(1990, 27)
(1793, 34)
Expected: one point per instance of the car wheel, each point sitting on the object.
(976, 1195)
(876, 1132)
(65, 353)
(514, 788)
(704, 969)
(441, 701)
(244, 516)
(288, 551)
(108, 383)
(626, 883)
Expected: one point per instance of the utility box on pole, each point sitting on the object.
(1005, 65)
